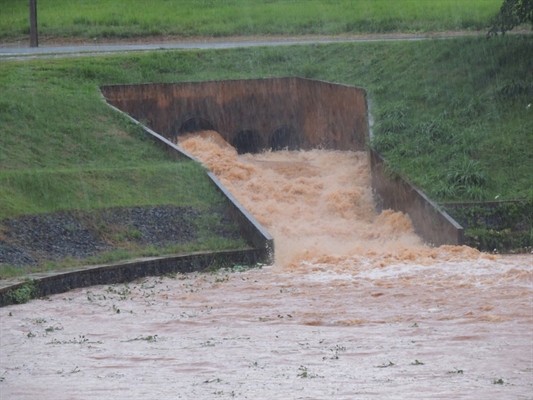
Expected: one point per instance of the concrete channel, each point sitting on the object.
(274, 113)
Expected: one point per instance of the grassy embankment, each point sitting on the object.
(186, 18)
(62, 148)
(452, 114)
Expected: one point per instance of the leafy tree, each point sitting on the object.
(512, 13)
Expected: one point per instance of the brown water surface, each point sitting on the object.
(355, 306)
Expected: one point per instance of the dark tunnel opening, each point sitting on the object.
(195, 124)
(284, 137)
(247, 141)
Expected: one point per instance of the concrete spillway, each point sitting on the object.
(271, 114)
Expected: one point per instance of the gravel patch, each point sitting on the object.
(35, 239)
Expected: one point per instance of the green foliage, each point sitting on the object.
(459, 129)
(23, 294)
(465, 177)
(500, 215)
(512, 14)
(500, 226)
(499, 240)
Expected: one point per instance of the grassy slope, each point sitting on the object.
(106, 18)
(457, 118)
(63, 148)
(448, 112)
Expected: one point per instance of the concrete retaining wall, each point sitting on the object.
(53, 283)
(253, 114)
(256, 235)
(430, 222)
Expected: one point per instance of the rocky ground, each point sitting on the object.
(32, 240)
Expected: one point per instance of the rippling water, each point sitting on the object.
(355, 306)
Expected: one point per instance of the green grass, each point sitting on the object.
(55, 118)
(122, 18)
(44, 190)
(456, 118)
(64, 148)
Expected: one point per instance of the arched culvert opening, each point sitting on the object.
(195, 124)
(189, 125)
(247, 141)
(285, 137)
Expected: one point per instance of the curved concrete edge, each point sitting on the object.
(429, 221)
(46, 284)
(255, 234)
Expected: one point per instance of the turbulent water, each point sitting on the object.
(355, 306)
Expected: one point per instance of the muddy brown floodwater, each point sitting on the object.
(354, 307)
